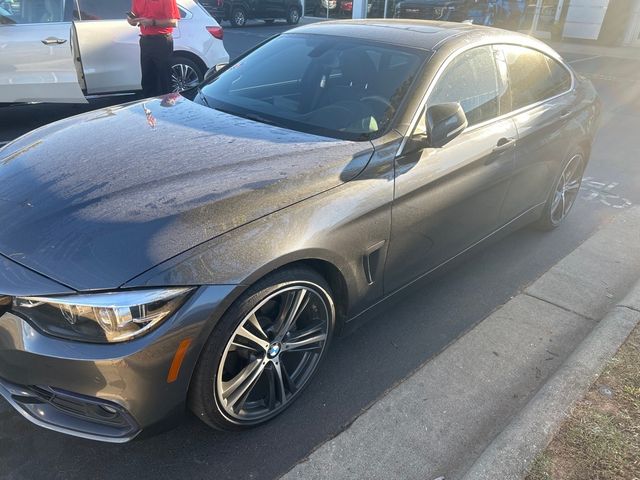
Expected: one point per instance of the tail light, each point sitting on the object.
(216, 32)
(220, 3)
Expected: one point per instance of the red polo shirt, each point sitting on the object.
(156, 10)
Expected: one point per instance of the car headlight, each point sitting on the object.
(101, 317)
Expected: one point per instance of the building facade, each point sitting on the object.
(607, 22)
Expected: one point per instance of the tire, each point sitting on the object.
(564, 192)
(293, 16)
(238, 17)
(185, 74)
(240, 382)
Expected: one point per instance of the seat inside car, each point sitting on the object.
(52, 11)
(357, 73)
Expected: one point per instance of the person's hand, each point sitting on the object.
(133, 21)
(144, 22)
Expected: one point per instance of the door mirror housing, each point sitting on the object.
(444, 122)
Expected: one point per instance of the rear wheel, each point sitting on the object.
(238, 17)
(564, 192)
(185, 74)
(264, 351)
(293, 16)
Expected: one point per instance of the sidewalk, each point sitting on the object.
(485, 406)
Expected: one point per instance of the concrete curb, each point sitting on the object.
(510, 454)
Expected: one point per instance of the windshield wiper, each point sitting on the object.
(250, 116)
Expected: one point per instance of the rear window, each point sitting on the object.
(534, 76)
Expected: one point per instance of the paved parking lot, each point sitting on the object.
(366, 363)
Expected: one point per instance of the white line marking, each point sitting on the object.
(593, 57)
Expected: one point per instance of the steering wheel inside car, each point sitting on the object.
(389, 109)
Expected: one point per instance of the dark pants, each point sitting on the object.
(155, 62)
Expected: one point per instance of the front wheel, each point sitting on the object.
(293, 16)
(264, 351)
(564, 192)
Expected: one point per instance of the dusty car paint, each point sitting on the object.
(144, 190)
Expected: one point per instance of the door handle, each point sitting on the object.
(54, 41)
(565, 113)
(504, 144)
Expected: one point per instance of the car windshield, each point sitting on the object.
(333, 86)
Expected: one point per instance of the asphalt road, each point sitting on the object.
(404, 334)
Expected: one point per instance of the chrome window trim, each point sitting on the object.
(457, 53)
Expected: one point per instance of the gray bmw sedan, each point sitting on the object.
(200, 251)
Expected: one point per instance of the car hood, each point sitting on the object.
(95, 200)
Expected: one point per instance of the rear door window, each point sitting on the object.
(471, 79)
(103, 9)
(534, 76)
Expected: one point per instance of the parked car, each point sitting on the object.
(205, 251)
(478, 12)
(57, 52)
(318, 8)
(346, 8)
(237, 12)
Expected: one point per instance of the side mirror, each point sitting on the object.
(215, 70)
(444, 123)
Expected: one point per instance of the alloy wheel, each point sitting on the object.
(294, 16)
(566, 190)
(273, 352)
(239, 18)
(183, 77)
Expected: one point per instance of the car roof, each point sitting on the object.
(424, 34)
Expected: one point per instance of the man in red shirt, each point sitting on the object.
(156, 19)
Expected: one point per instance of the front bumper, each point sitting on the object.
(108, 392)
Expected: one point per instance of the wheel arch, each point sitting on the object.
(324, 267)
(327, 267)
(193, 57)
(585, 146)
(330, 269)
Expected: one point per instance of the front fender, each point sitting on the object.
(339, 226)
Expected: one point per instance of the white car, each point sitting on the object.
(67, 50)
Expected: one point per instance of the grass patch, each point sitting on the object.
(601, 437)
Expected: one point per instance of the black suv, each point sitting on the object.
(237, 12)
